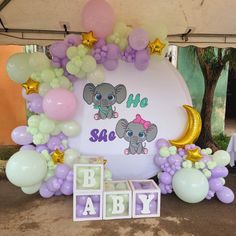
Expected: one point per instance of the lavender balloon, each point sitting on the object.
(138, 39)
(40, 148)
(110, 64)
(159, 160)
(225, 195)
(215, 184)
(113, 51)
(142, 60)
(53, 184)
(162, 143)
(45, 192)
(36, 105)
(219, 171)
(67, 188)
(62, 171)
(165, 178)
(21, 136)
(54, 143)
(28, 147)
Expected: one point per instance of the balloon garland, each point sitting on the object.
(47, 89)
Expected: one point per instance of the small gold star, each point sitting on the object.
(194, 155)
(88, 39)
(57, 156)
(31, 86)
(99, 160)
(156, 46)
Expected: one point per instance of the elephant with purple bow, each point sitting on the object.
(136, 133)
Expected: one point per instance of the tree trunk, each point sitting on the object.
(211, 76)
(205, 139)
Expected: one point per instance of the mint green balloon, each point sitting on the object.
(46, 126)
(89, 64)
(70, 128)
(71, 52)
(18, 67)
(39, 61)
(72, 68)
(190, 185)
(47, 75)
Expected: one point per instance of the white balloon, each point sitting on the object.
(26, 168)
(221, 157)
(190, 185)
(31, 189)
(38, 61)
(71, 156)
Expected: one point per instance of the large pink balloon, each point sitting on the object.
(98, 16)
(60, 104)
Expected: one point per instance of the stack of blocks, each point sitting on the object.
(95, 199)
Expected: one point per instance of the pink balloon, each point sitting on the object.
(98, 16)
(59, 104)
(138, 39)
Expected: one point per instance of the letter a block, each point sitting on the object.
(87, 206)
(146, 198)
(88, 192)
(117, 200)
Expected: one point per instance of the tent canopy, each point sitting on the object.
(212, 23)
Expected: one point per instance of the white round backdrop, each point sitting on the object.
(166, 92)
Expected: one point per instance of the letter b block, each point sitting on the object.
(117, 200)
(88, 177)
(146, 198)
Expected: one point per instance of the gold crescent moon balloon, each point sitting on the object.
(193, 128)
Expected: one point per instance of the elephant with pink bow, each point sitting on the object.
(136, 133)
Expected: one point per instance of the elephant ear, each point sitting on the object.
(121, 93)
(121, 127)
(88, 93)
(151, 132)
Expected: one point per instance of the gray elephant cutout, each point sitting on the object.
(136, 133)
(104, 96)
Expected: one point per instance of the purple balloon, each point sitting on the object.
(165, 178)
(138, 39)
(58, 49)
(162, 188)
(67, 188)
(54, 143)
(45, 192)
(219, 171)
(36, 105)
(206, 158)
(174, 158)
(101, 42)
(162, 143)
(138, 209)
(58, 193)
(62, 171)
(81, 200)
(225, 195)
(40, 148)
(52, 184)
(64, 62)
(28, 147)
(61, 136)
(137, 185)
(79, 211)
(153, 207)
(113, 51)
(159, 160)
(73, 39)
(29, 97)
(215, 184)
(70, 176)
(142, 60)
(20, 135)
(96, 198)
(110, 64)
(56, 64)
(97, 209)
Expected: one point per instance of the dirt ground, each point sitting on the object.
(22, 214)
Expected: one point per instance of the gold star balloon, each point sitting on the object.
(194, 155)
(31, 86)
(57, 156)
(156, 46)
(88, 39)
